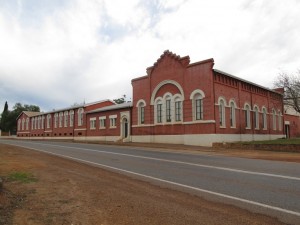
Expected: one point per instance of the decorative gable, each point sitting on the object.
(183, 61)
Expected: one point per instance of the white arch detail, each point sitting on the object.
(197, 91)
(162, 84)
(140, 101)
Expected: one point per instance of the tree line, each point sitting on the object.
(8, 122)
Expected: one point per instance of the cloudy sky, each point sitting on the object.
(54, 53)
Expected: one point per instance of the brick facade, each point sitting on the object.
(177, 102)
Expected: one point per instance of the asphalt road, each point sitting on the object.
(267, 187)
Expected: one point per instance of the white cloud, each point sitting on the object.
(67, 51)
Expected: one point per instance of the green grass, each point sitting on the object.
(22, 177)
(294, 141)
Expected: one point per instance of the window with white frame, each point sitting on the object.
(168, 109)
(55, 120)
(222, 112)
(197, 97)
(43, 121)
(71, 118)
(23, 123)
(35, 123)
(256, 117)
(61, 114)
(232, 114)
(102, 121)
(141, 111)
(93, 123)
(66, 119)
(39, 123)
(113, 121)
(32, 123)
(48, 120)
(80, 117)
(274, 119)
(247, 110)
(264, 118)
(159, 112)
(27, 123)
(178, 110)
(279, 120)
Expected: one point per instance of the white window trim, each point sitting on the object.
(100, 119)
(233, 115)
(248, 122)
(192, 98)
(110, 121)
(223, 125)
(80, 113)
(94, 123)
(256, 115)
(265, 120)
(178, 98)
(66, 118)
(71, 118)
(152, 100)
(159, 99)
(138, 105)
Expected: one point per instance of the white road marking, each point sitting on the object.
(180, 162)
(170, 182)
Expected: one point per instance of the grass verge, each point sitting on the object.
(23, 177)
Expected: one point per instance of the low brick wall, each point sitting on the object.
(266, 147)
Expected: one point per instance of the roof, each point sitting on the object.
(246, 81)
(78, 106)
(112, 107)
(29, 114)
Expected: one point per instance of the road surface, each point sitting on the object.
(267, 187)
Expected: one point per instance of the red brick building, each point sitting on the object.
(176, 102)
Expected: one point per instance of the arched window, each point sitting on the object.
(264, 118)
(61, 119)
(197, 104)
(222, 112)
(71, 118)
(32, 123)
(279, 120)
(232, 114)
(247, 109)
(141, 111)
(256, 117)
(55, 120)
(178, 109)
(48, 120)
(274, 119)
(39, 122)
(168, 109)
(35, 123)
(158, 111)
(80, 117)
(43, 121)
(27, 123)
(66, 118)
(19, 124)
(23, 123)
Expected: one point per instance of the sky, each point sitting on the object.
(55, 53)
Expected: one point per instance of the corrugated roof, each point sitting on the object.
(30, 114)
(112, 107)
(246, 81)
(78, 106)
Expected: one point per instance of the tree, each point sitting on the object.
(8, 119)
(291, 85)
